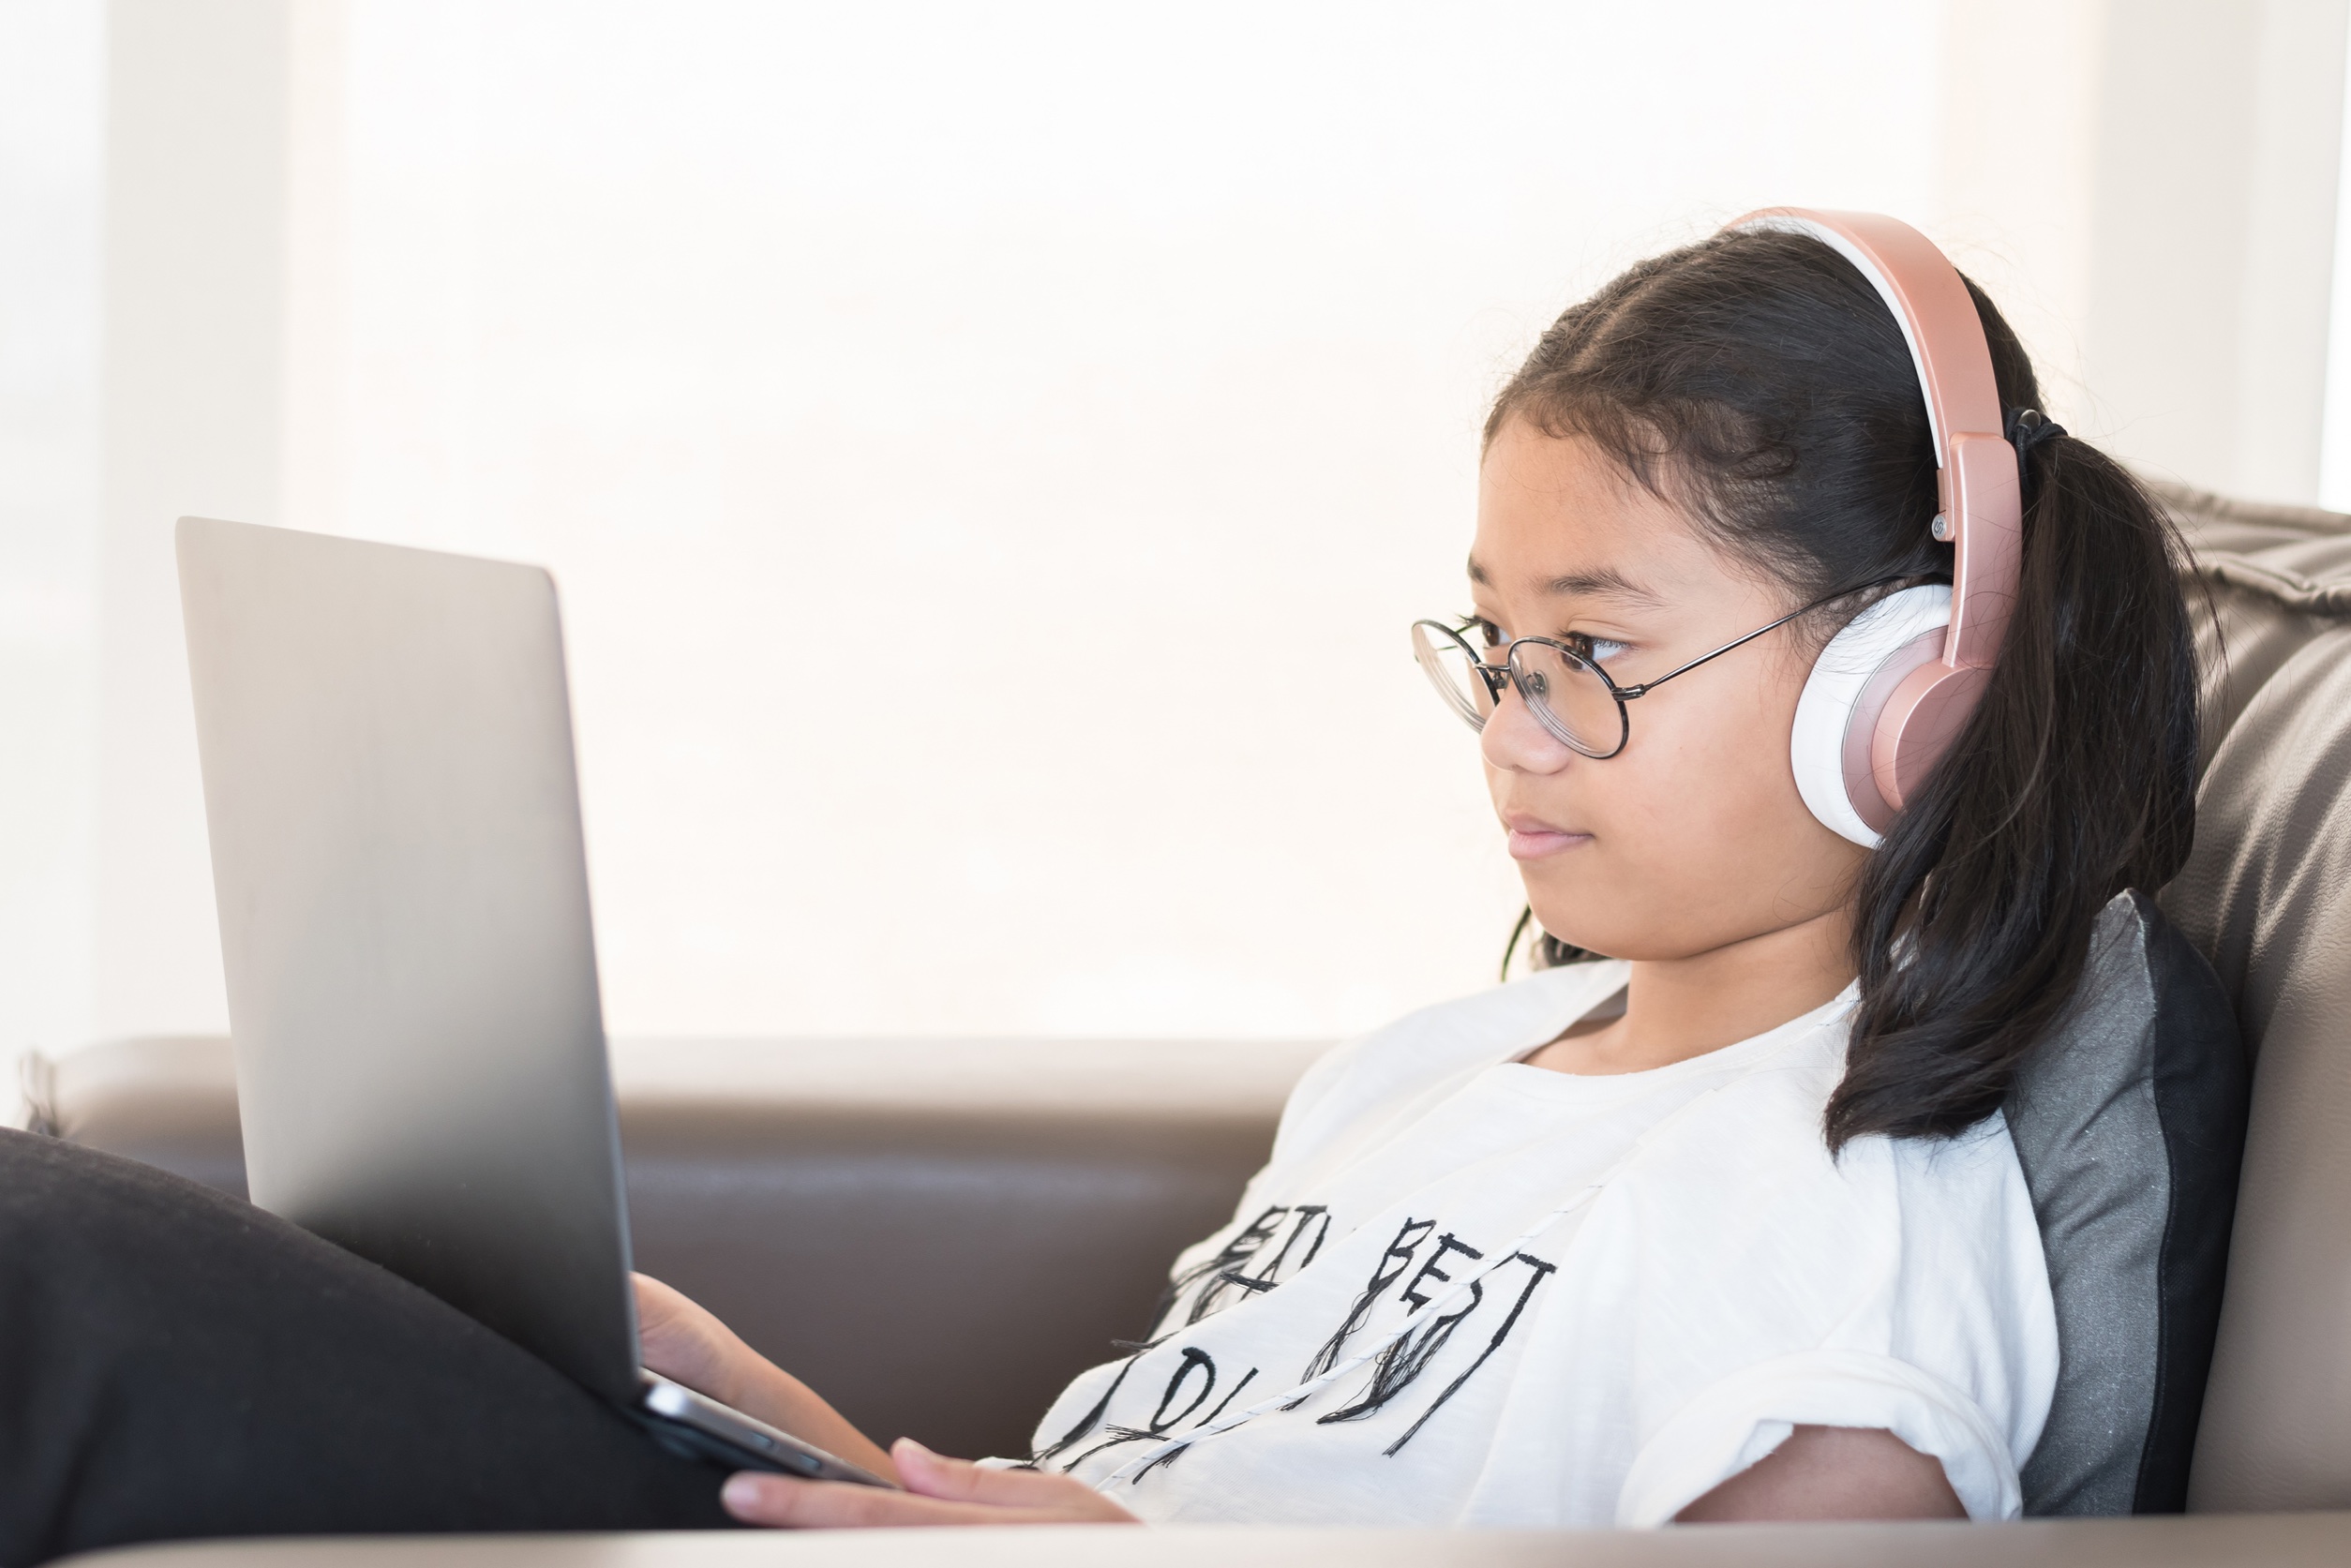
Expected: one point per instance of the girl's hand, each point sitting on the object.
(682, 1340)
(685, 1343)
(939, 1492)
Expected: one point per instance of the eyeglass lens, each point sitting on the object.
(1569, 697)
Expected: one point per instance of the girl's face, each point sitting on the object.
(1693, 837)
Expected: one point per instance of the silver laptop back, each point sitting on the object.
(388, 777)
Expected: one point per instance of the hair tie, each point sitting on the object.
(2027, 428)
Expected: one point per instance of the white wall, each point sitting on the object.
(2148, 187)
(195, 215)
(2217, 154)
(52, 66)
(990, 466)
(2334, 467)
(990, 456)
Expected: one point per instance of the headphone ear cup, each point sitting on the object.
(1838, 711)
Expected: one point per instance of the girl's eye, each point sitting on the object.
(1598, 650)
(1482, 633)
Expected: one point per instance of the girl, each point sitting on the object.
(1723, 1224)
(1726, 1225)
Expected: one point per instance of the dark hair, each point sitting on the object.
(1758, 381)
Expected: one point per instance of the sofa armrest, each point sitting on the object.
(2203, 1541)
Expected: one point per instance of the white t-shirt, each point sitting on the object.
(1615, 1291)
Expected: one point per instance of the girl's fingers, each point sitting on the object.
(680, 1339)
(961, 1480)
(942, 1491)
(781, 1503)
(1026, 1492)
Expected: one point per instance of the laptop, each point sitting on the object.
(386, 743)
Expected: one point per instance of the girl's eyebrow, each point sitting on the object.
(1604, 582)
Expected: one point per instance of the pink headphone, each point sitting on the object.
(1890, 692)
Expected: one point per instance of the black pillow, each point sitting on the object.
(2130, 1123)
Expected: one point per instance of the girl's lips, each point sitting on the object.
(1532, 841)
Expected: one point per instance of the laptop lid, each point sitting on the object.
(386, 743)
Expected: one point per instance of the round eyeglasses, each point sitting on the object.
(1565, 688)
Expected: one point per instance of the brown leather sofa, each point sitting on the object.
(883, 1215)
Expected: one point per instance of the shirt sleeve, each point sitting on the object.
(1738, 1420)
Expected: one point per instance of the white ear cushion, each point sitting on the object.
(1817, 746)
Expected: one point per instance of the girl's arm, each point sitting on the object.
(1833, 1473)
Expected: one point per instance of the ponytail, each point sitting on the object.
(2073, 780)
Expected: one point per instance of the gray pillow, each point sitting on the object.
(2130, 1123)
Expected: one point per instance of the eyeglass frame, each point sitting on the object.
(1495, 676)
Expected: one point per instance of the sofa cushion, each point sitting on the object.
(2129, 1121)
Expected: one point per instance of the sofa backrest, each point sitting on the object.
(2266, 895)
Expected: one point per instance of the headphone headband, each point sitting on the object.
(1982, 506)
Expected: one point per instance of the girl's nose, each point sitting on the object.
(1515, 738)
